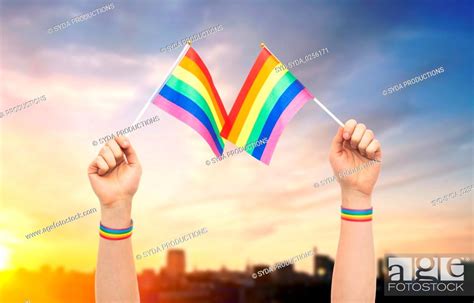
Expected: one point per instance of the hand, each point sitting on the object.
(353, 147)
(114, 176)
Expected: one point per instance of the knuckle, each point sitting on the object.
(110, 150)
(104, 150)
(351, 121)
(110, 145)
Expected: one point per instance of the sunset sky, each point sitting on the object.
(97, 74)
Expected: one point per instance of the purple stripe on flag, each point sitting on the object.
(187, 118)
(294, 106)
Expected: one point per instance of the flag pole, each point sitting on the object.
(181, 55)
(328, 112)
(314, 98)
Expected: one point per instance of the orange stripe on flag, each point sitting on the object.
(193, 68)
(262, 76)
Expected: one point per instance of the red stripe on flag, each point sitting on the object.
(257, 66)
(193, 55)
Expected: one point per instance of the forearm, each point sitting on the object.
(115, 278)
(354, 277)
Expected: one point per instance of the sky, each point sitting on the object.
(97, 75)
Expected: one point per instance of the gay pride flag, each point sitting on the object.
(269, 98)
(189, 95)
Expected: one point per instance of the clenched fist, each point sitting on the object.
(114, 176)
(351, 150)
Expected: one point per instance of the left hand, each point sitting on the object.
(352, 148)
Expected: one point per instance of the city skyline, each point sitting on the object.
(172, 283)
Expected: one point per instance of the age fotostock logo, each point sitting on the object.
(434, 275)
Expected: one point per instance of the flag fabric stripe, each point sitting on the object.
(185, 103)
(194, 69)
(186, 76)
(285, 99)
(193, 55)
(184, 116)
(189, 95)
(260, 100)
(188, 91)
(267, 101)
(277, 91)
(262, 57)
(287, 115)
(263, 74)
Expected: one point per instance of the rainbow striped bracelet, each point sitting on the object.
(356, 215)
(115, 234)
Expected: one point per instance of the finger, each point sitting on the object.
(357, 135)
(102, 165)
(128, 150)
(93, 168)
(116, 150)
(349, 128)
(365, 141)
(108, 156)
(337, 141)
(374, 150)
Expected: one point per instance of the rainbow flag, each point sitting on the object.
(269, 98)
(189, 95)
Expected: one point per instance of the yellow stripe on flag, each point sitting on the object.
(194, 69)
(262, 96)
(266, 69)
(190, 79)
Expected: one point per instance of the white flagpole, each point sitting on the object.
(315, 100)
(181, 55)
(328, 112)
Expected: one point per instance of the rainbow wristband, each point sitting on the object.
(356, 215)
(115, 234)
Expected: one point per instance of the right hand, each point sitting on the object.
(115, 174)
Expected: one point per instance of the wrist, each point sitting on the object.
(117, 214)
(355, 199)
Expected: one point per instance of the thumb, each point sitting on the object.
(337, 142)
(93, 168)
(128, 150)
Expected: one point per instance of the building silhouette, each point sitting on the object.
(323, 267)
(285, 274)
(262, 268)
(175, 263)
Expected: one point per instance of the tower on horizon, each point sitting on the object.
(175, 263)
(323, 266)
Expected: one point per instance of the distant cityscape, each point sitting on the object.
(172, 284)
